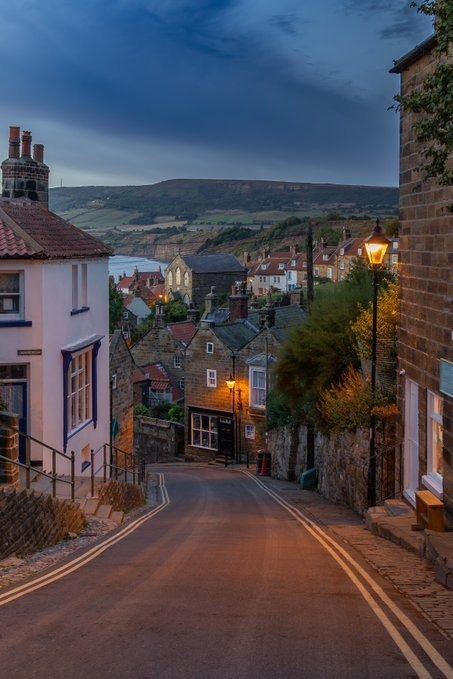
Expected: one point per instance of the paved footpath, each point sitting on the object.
(412, 575)
(223, 579)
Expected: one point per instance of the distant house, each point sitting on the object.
(135, 313)
(425, 347)
(153, 384)
(296, 271)
(122, 368)
(324, 262)
(270, 275)
(54, 317)
(189, 278)
(239, 343)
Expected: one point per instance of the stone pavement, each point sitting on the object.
(409, 573)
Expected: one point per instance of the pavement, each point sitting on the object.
(223, 579)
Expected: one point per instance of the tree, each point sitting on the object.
(175, 311)
(116, 308)
(433, 100)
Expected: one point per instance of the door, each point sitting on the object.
(14, 395)
(226, 436)
(411, 441)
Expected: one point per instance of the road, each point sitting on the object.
(222, 582)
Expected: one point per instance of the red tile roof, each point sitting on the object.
(29, 230)
(271, 265)
(125, 282)
(183, 332)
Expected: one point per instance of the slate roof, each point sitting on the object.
(351, 247)
(139, 308)
(29, 230)
(214, 263)
(418, 51)
(235, 335)
(183, 331)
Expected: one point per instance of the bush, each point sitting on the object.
(176, 413)
(387, 321)
(347, 405)
(141, 410)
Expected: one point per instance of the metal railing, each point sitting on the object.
(53, 476)
(133, 468)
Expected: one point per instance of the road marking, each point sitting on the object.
(326, 541)
(87, 556)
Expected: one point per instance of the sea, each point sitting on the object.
(121, 264)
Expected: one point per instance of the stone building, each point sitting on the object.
(190, 277)
(220, 421)
(165, 343)
(425, 349)
(122, 395)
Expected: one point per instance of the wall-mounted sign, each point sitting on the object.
(29, 352)
(446, 377)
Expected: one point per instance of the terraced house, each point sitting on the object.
(54, 325)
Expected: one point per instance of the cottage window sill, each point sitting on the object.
(15, 324)
(82, 310)
(434, 483)
(79, 428)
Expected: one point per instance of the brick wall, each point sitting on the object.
(122, 365)
(158, 440)
(197, 285)
(426, 256)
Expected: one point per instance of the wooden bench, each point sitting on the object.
(429, 510)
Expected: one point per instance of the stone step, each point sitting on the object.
(104, 511)
(396, 507)
(91, 505)
(118, 517)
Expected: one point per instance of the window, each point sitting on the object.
(293, 262)
(276, 279)
(316, 272)
(75, 286)
(304, 265)
(433, 479)
(395, 244)
(342, 251)
(257, 387)
(249, 431)
(177, 361)
(84, 290)
(186, 279)
(79, 393)
(329, 272)
(11, 295)
(80, 287)
(325, 258)
(281, 265)
(178, 276)
(290, 275)
(264, 267)
(394, 259)
(211, 378)
(170, 278)
(113, 382)
(342, 265)
(182, 383)
(359, 251)
(209, 348)
(204, 431)
(125, 315)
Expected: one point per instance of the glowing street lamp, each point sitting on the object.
(231, 383)
(376, 247)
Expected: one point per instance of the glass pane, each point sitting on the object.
(196, 422)
(196, 438)
(13, 372)
(214, 441)
(87, 403)
(205, 439)
(205, 422)
(438, 447)
(214, 424)
(9, 282)
(9, 304)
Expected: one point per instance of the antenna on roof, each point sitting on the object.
(61, 183)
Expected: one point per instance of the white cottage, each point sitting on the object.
(54, 317)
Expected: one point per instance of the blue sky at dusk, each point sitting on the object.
(135, 91)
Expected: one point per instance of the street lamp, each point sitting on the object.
(231, 383)
(376, 247)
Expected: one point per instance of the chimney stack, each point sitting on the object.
(239, 302)
(38, 153)
(160, 315)
(192, 314)
(346, 233)
(26, 144)
(210, 301)
(294, 249)
(14, 142)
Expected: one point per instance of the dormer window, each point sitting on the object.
(264, 267)
(325, 258)
(395, 244)
(341, 251)
(293, 262)
(281, 265)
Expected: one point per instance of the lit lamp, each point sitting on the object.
(231, 383)
(376, 247)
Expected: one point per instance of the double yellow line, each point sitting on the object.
(360, 577)
(87, 556)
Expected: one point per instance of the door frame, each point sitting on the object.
(411, 446)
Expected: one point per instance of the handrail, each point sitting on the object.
(54, 477)
(134, 469)
(35, 440)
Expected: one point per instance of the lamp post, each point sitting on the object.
(376, 246)
(231, 384)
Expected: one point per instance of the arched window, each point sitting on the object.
(178, 276)
(170, 279)
(186, 279)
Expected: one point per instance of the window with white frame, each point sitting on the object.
(84, 285)
(433, 479)
(204, 431)
(80, 389)
(394, 259)
(316, 272)
(209, 347)
(281, 265)
(276, 279)
(359, 251)
(79, 273)
(342, 265)
(75, 286)
(257, 380)
(250, 431)
(211, 378)
(293, 262)
(182, 383)
(11, 295)
(395, 244)
(177, 361)
(325, 258)
(341, 251)
(329, 272)
(113, 381)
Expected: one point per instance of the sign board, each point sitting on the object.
(446, 377)
(29, 352)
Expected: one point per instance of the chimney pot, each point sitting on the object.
(14, 142)
(38, 153)
(26, 144)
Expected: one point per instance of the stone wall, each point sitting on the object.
(122, 496)
(122, 367)
(426, 255)
(158, 440)
(29, 522)
(9, 448)
(341, 461)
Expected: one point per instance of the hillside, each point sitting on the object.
(190, 198)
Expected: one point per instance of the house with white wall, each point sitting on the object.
(54, 318)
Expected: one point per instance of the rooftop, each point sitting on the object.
(183, 331)
(418, 51)
(213, 263)
(29, 231)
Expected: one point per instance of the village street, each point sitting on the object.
(221, 581)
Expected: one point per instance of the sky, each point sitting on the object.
(138, 91)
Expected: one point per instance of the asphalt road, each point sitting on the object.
(222, 583)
